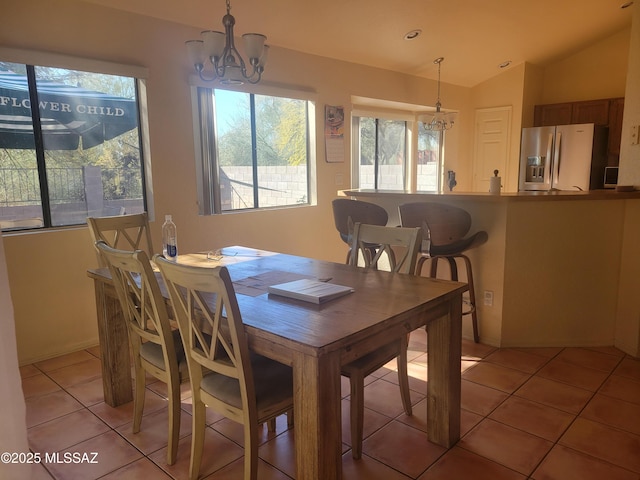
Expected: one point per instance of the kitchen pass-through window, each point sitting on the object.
(395, 152)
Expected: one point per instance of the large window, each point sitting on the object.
(69, 146)
(255, 150)
(389, 159)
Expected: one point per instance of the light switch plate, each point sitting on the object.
(488, 298)
(634, 135)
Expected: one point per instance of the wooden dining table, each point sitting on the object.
(316, 340)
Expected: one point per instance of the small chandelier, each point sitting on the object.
(219, 48)
(438, 120)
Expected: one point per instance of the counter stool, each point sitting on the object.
(359, 212)
(447, 227)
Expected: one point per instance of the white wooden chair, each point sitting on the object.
(401, 246)
(155, 347)
(124, 232)
(225, 376)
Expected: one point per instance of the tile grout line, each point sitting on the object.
(555, 443)
(575, 417)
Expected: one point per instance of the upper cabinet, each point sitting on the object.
(607, 111)
(595, 111)
(554, 114)
(615, 126)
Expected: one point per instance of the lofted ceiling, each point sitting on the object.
(474, 36)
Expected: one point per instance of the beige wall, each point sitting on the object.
(628, 317)
(53, 298)
(555, 291)
(630, 154)
(627, 334)
(596, 72)
(13, 412)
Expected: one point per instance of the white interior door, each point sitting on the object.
(492, 143)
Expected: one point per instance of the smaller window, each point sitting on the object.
(256, 150)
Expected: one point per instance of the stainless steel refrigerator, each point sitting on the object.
(565, 157)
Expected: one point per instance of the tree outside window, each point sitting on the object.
(261, 156)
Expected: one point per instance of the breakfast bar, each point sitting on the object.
(555, 266)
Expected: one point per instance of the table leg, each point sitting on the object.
(317, 417)
(444, 347)
(114, 346)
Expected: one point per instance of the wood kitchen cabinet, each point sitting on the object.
(606, 111)
(595, 111)
(615, 128)
(554, 114)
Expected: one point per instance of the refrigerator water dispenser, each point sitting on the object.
(535, 169)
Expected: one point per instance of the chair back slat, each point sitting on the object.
(401, 246)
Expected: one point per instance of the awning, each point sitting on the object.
(67, 113)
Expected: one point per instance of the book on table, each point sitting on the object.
(310, 290)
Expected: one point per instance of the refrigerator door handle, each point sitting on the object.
(549, 161)
(557, 159)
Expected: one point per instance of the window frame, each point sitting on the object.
(412, 118)
(408, 167)
(205, 143)
(34, 59)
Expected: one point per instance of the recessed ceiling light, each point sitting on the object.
(413, 34)
(505, 64)
(626, 4)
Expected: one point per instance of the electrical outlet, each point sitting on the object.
(488, 298)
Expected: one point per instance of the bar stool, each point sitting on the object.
(359, 212)
(447, 227)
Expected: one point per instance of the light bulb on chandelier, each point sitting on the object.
(218, 49)
(439, 120)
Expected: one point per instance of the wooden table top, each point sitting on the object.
(333, 325)
(338, 322)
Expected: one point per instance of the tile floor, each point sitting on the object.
(545, 413)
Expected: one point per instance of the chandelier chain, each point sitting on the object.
(440, 121)
(439, 65)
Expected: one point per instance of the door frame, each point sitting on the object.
(504, 168)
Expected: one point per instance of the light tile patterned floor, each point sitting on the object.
(549, 413)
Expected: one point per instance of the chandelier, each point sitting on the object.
(227, 66)
(438, 120)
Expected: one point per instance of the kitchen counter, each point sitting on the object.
(556, 263)
(608, 194)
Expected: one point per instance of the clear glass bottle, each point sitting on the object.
(169, 239)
